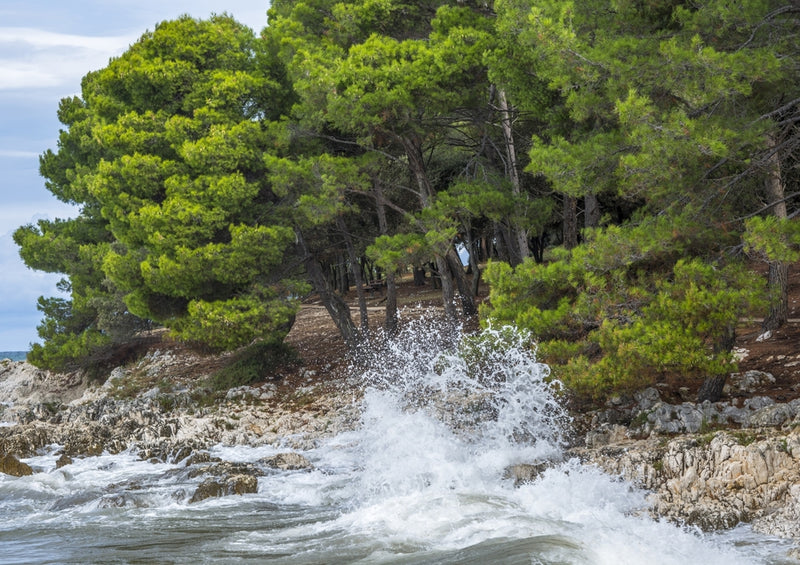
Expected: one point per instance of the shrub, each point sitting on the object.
(253, 364)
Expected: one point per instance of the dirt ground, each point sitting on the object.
(778, 354)
(323, 353)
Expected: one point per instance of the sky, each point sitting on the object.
(46, 47)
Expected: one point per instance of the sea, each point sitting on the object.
(13, 355)
(423, 479)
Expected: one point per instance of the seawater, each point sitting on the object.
(422, 480)
(13, 355)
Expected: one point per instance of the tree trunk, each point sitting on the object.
(356, 267)
(521, 235)
(336, 307)
(570, 222)
(500, 247)
(474, 268)
(417, 164)
(448, 291)
(778, 277)
(778, 284)
(591, 211)
(464, 291)
(537, 249)
(711, 389)
(390, 323)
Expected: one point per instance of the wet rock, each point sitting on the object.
(287, 462)
(523, 473)
(225, 486)
(715, 481)
(25, 440)
(226, 469)
(63, 461)
(201, 457)
(10, 465)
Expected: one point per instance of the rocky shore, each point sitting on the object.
(176, 423)
(711, 465)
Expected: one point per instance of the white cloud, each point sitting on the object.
(41, 39)
(16, 154)
(34, 58)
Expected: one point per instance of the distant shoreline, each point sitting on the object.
(14, 355)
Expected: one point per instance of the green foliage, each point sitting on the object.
(620, 312)
(164, 152)
(773, 239)
(210, 164)
(255, 363)
(69, 336)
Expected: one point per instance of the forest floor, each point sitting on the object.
(323, 354)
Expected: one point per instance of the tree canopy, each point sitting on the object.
(222, 176)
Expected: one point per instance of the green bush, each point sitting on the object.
(253, 364)
(620, 312)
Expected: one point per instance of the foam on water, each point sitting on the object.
(422, 480)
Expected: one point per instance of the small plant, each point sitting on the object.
(705, 438)
(640, 420)
(253, 364)
(710, 426)
(744, 438)
(166, 402)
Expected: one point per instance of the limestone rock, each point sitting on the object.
(774, 415)
(749, 381)
(10, 465)
(605, 434)
(288, 462)
(63, 461)
(525, 472)
(715, 481)
(225, 486)
(226, 469)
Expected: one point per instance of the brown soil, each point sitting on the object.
(319, 344)
(322, 351)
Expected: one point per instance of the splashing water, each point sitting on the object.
(424, 479)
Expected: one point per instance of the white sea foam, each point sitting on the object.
(422, 480)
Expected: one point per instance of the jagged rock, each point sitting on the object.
(774, 415)
(673, 419)
(287, 462)
(226, 469)
(10, 465)
(605, 434)
(715, 481)
(647, 398)
(525, 472)
(63, 461)
(225, 486)
(748, 382)
(201, 457)
(25, 440)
